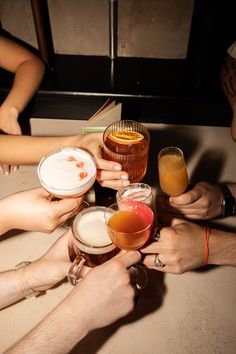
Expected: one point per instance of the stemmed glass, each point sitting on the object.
(67, 172)
(173, 175)
(129, 226)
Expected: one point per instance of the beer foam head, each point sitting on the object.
(90, 228)
(67, 172)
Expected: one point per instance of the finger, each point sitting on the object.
(149, 262)
(130, 258)
(103, 164)
(176, 221)
(67, 206)
(112, 175)
(114, 184)
(186, 198)
(14, 168)
(6, 169)
(151, 248)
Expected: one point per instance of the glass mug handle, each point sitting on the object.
(75, 270)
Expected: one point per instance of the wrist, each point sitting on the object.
(27, 289)
(11, 110)
(222, 248)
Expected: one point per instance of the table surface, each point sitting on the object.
(189, 313)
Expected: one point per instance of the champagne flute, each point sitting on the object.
(173, 175)
(129, 226)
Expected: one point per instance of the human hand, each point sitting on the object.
(180, 248)
(34, 210)
(106, 293)
(109, 173)
(52, 267)
(204, 201)
(9, 125)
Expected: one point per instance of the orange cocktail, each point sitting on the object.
(129, 224)
(127, 142)
(173, 175)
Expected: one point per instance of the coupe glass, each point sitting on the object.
(129, 226)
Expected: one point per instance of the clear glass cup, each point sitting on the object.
(67, 172)
(127, 142)
(141, 192)
(90, 244)
(173, 175)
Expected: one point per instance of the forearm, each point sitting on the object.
(58, 333)
(28, 150)
(222, 248)
(11, 288)
(26, 82)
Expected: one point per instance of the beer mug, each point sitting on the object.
(90, 244)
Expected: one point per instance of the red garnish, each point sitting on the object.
(71, 158)
(80, 164)
(82, 175)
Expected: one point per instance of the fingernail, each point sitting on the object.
(15, 168)
(117, 168)
(124, 177)
(6, 173)
(126, 183)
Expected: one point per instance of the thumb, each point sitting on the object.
(176, 221)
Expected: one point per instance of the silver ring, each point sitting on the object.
(157, 235)
(157, 262)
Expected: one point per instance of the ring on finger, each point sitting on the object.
(157, 262)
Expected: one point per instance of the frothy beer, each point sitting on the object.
(90, 239)
(67, 172)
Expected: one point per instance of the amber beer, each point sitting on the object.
(130, 225)
(173, 175)
(91, 244)
(127, 142)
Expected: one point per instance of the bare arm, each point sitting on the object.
(27, 150)
(103, 296)
(222, 248)
(28, 69)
